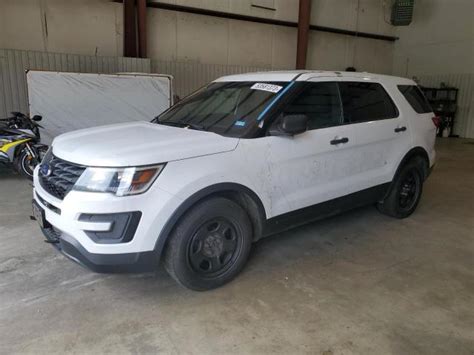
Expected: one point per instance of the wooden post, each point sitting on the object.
(129, 29)
(142, 34)
(303, 33)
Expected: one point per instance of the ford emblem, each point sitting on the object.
(46, 169)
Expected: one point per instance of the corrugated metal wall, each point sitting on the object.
(14, 63)
(464, 121)
(189, 77)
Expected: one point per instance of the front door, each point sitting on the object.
(311, 167)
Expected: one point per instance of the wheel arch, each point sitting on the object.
(412, 154)
(238, 193)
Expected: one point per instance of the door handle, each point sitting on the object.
(337, 140)
(400, 129)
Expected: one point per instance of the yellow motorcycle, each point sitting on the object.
(19, 143)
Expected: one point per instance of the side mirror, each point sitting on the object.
(37, 118)
(289, 125)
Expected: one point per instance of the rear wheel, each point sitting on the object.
(210, 244)
(405, 192)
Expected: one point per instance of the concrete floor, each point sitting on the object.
(356, 283)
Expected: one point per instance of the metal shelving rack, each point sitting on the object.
(444, 103)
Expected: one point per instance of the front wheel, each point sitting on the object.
(405, 192)
(210, 245)
(25, 163)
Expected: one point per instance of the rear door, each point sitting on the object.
(380, 131)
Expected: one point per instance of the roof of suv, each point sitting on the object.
(303, 75)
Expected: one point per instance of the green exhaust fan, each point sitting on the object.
(402, 12)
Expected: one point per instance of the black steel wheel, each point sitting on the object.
(405, 191)
(210, 244)
(214, 247)
(409, 190)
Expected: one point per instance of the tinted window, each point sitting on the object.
(320, 102)
(366, 102)
(415, 98)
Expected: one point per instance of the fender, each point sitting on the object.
(198, 196)
(5, 148)
(416, 151)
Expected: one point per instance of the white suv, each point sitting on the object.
(242, 158)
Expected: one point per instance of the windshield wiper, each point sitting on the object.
(182, 125)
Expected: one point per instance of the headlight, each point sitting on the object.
(119, 181)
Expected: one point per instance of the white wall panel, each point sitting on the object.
(189, 77)
(14, 63)
(159, 46)
(205, 39)
(87, 27)
(95, 27)
(201, 38)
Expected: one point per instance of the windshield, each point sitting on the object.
(227, 108)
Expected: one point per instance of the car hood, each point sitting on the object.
(138, 143)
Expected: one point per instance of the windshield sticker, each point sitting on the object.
(267, 87)
(239, 123)
(275, 99)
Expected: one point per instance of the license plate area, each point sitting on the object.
(38, 213)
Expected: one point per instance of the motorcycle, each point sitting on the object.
(20, 143)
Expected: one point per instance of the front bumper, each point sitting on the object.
(102, 263)
(74, 232)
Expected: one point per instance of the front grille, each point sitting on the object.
(57, 176)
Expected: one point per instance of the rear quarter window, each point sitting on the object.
(415, 98)
(363, 101)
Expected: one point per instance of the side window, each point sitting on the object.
(363, 101)
(415, 98)
(320, 102)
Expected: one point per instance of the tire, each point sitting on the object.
(210, 245)
(405, 191)
(24, 165)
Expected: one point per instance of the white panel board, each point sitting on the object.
(70, 101)
(14, 63)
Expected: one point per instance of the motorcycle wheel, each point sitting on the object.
(25, 164)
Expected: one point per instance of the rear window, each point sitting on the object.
(415, 98)
(363, 102)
